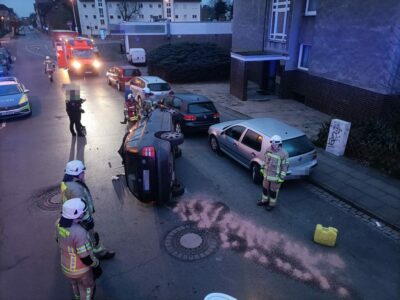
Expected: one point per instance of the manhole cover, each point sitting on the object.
(49, 199)
(187, 242)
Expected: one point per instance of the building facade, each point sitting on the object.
(341, 58)
(96, 15)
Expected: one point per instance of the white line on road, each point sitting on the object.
(3, 125)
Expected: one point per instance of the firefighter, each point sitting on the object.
(74, 111)
(274, 172)
(131, 109)
(78, 263)
(72, 186)
(49, 65)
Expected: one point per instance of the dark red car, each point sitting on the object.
(119, 75)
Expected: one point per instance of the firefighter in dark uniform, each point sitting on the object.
(74, 111)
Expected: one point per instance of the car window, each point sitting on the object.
(10, 89)
(159, 87)
(201, 108)
(298, 146)
(131, 72)
(176, 103)
(252, 140)
(82, 53)
(235, 132)
(168, 100)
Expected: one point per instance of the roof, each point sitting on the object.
(190, 97)
(269, 127)
(152, 79)
(8, 80)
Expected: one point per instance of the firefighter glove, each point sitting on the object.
(97, 271)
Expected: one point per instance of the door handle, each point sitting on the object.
(253, 154)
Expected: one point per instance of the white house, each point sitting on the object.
(95, 15)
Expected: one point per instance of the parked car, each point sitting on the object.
(7, 54)
(120, 75)
(148, 151)
(4, 61)
(191, 111)
(246, 141)
(136, 56)
(13, 98)
(149, 88)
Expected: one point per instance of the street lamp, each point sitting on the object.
(73, 11)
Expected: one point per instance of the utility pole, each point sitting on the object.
(73, 11)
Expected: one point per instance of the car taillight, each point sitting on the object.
(171, 93)
(148, 152)
(189, 117)
(216, 115)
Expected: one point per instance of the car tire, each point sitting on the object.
(214, 144)
(178, 127)
(173, 137)
(119, 86)
(177, 189)
(255, 173)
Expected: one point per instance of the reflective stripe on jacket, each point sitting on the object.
(74, 244)
(276, 165)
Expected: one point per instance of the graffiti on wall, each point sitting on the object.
(270, 248)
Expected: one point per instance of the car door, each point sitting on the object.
(249, 147)
(229, 140)
(135, 86)
(111, 75)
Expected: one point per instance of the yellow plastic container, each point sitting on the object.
(325, 235)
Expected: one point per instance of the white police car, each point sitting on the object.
(13, 98)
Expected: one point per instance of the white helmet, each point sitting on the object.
(47, 57)
(74, 167)
(130, 96)
(276, 139)
(73, 208)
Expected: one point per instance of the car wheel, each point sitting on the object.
(178, 127)
(177, 189)
(214, 144)
(175, 138)
(109, 81)
(119, 86)
(256, 174)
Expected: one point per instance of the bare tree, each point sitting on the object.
(128, 9)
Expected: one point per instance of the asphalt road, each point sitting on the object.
(245, 251)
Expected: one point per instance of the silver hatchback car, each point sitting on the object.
(246, 141)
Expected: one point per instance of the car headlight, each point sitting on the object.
(23, 99)
(96, 64)
(76, 65)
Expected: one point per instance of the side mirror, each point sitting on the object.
(26, 91)
(146, 90)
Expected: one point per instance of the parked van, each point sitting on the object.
(136, 56)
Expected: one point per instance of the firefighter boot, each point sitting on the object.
(264, 198)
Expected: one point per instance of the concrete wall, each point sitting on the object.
(352, 41)
(248, 26)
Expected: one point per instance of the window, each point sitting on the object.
(298, 146)
(84, 5)
(119, 17)
(109, 5)
(168, 11)
(100, 3)
(101, 13)
(141, 16)
(201, 108)
(176, 17)
(194, 16)
(87, 27)
(184, 16)
(253, 140)
(94, 16)
(95, 27)
(86, 16)
(159, 5)
(235, 132)
(279, 13)
(159, 16)
(151, 5)
(102, 22)
(304, 57)
(111, 17)
(311, 7)
(140, 5)
(176, 103)
(92, 5)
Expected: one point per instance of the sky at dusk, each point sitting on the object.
(23, 8)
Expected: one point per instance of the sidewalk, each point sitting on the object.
(364, 188)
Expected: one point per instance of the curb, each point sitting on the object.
(351, 203)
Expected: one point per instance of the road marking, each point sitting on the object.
(3, 125)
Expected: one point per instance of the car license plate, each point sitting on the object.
(6, 113)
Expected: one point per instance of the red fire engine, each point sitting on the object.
(78, 55)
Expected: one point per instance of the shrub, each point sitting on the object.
(374, 143)
(188, 62)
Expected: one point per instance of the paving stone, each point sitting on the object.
(351, 193)
(374, 192)
(369, 203)
(356, 183)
